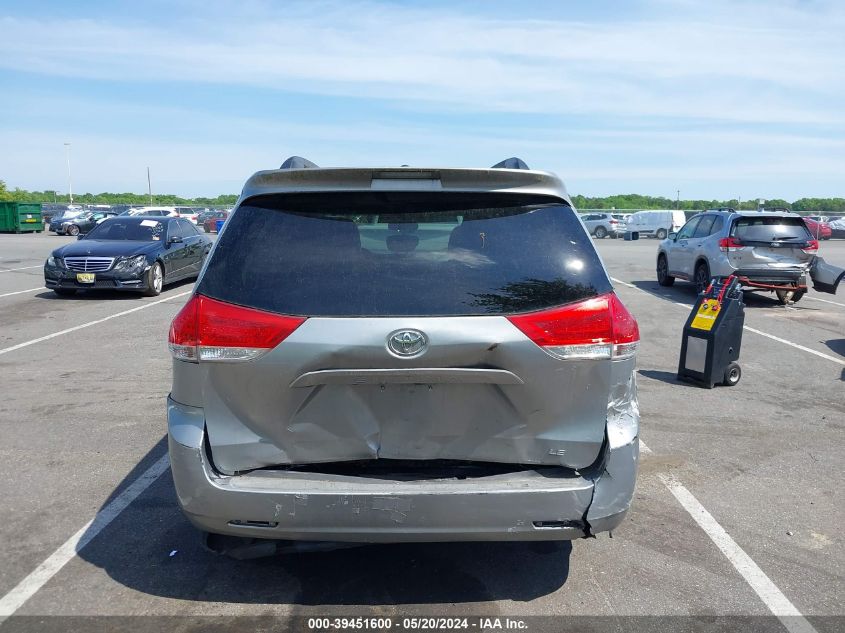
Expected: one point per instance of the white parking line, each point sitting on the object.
(746, 327)
(11, 270)
(89, 324)
(27, 587)
(795, 345)
(825, 301)
(20, 292)
(756, 578)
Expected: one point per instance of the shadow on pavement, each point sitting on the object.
(683, 292)
(150, 547)
(109, 295)
(836, 345)
(668, 377)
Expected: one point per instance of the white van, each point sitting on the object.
(656, 223)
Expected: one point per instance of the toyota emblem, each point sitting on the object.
(407, 343)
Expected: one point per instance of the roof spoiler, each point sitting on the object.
(511, 163)
(297, 162)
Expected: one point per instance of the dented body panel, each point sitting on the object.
(527, 505)
(455, 401)
(420, 395)
(542, 503)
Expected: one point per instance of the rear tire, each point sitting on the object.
(73, 230)
(663, 276)
(661, 234)
(701, 277)
(65, 292)
(601, 233)
(732, 375)
(155, 280)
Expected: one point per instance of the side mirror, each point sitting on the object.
(80, 236)
(672, 236)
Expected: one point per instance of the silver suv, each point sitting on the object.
(601, 225)
(766, 250)
(404, 355)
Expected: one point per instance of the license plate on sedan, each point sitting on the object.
(85, 278)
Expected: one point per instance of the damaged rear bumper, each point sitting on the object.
(525, 505)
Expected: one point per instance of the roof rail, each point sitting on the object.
(297, 162)
(726, 209)
(511, 163)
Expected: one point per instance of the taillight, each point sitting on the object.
(811, 247)
(206, 329)
(728, 243)
(596, 328)
(613, 222)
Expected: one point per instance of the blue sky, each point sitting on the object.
(718, 99)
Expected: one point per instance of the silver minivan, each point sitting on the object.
(404, 354)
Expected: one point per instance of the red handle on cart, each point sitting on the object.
(725, 287)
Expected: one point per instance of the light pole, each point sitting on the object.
(69, 181)
(678, 199)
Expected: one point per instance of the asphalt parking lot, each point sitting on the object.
(84, 382)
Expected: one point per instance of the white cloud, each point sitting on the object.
(687, 94)
(724, 61)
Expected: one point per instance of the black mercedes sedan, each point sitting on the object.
(135, 253)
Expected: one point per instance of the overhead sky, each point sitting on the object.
(716, 98)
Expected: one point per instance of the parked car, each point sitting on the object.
(210, 222)
(202, 216)
(837, 226)
(766, 251)
(83, 223)
(189, 213)
(656, 223)
(58, 221)
(50, 211)
(818, 229)
(137, 253)
(601, 225)
(458, 366)
(166, 212)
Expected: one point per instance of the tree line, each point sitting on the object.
(53, 197)
(624, 201)
(636, 201)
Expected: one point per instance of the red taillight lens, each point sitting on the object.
(811, 247)
(728, 243)
(207, 329)
(596, 328)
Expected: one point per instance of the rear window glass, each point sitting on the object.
(403, 254)
(769, 229)
(127, 228)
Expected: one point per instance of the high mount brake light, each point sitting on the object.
(592, 329)
(209, 330)
(727, 244)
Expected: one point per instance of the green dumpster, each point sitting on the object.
(18, 217)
